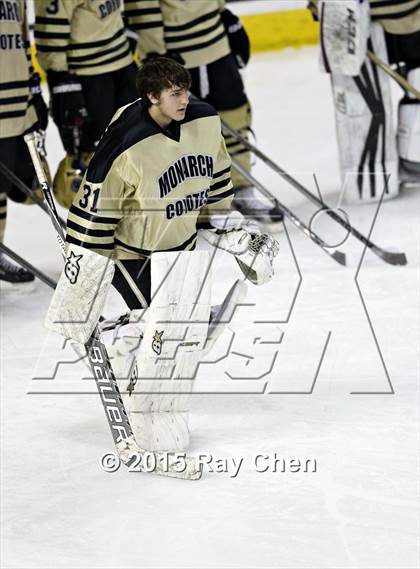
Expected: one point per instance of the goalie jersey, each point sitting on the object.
(146, 187)
(17, 113)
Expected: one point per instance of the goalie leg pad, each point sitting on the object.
(365, 131)
(80, 294)
(175, 334)
(344, 31)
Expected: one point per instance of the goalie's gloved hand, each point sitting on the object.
(38, 102)
(68, 106)
(254, 251)
(237, 36)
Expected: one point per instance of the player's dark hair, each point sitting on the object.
(158, 73)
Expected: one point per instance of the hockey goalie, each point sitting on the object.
(375, 156)
(160, 176)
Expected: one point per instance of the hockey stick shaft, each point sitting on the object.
(393, 258)
(104, 377)
(42, 179)
(116, 414)
(332, 252)
(396, 76)
(26, 265)
(7, 173)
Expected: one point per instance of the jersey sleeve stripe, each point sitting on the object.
(51, 35)
(12, 100)
(219, 185)
(99, 43)
(14, 85)
(89, 231)
(52, 21)
(197, 46)
(141, 12)
(103, 62)
(51, 48)
(87, 245)
(218, 197)
(93, 218)
(194, 35)
(395, 15)
(13, 114)
(192, 23)
(221, 173)
(92, 56)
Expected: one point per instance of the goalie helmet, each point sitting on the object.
(68, 178)
(17, 195)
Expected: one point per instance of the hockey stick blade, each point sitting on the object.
(391, 257)
(340, 257)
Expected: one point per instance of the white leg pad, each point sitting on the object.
(365, 130)
(175, 334)
(80, 294)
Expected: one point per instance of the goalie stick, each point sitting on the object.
(337, 255)
(26, 265)
(119, 423)
(391, 257)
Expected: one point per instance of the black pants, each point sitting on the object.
(132, 279)
(104, 94)
(15, 155)
(226, 88)
(404, 49)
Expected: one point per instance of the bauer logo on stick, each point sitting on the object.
(72, 267)
(157, 342)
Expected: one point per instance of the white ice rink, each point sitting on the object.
(299, 351)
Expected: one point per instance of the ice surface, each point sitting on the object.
(299, 350)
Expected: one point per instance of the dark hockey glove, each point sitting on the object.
(67, 105)
(237, 36)
(38, 102)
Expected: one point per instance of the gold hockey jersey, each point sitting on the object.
(16, 111)
(192, 28)
(145, 188)
(85, 37)
(397, 16)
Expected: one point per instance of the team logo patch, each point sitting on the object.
(72, 267)
(157, 342)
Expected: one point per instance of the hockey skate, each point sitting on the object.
(269, 216)
(13, 277)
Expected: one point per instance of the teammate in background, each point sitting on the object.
(22, 110)
(161, 170)
(203, 34)
(82, 46)
(364, 114)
